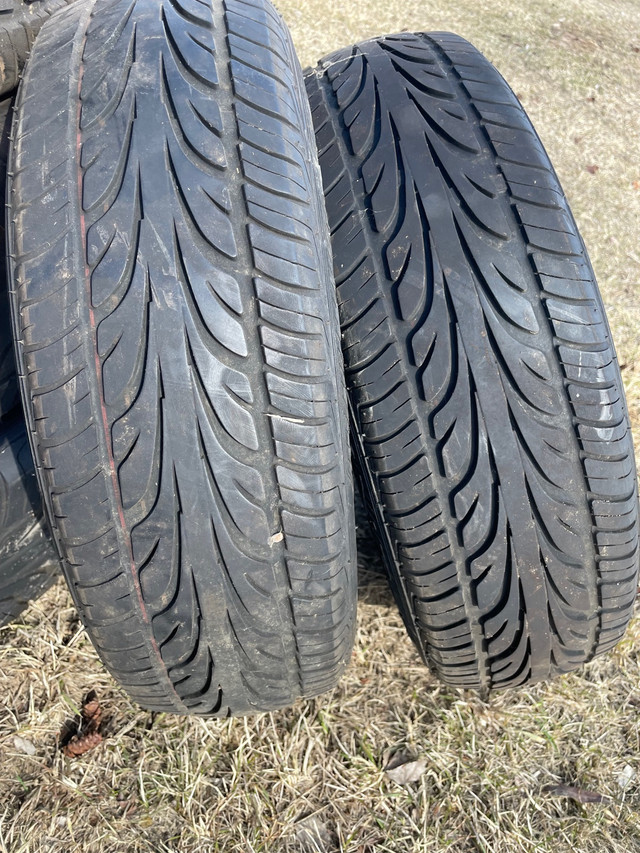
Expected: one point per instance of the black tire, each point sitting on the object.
(180, 346)
(20, 23)
(488, 408)
(9, 394)
(28, 561)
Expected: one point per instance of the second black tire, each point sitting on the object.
(488, 409)
(179, 338)
(9, 394)
(28, 561)
(20, 23)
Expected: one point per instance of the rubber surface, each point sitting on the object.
(488, 410)
(20, 23)
(180, 345)
(28, 561)
(9, 394)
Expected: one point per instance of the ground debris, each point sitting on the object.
(86, 736)
(23, 745)
(403, 767)
(79, 745)
(314, 836)
(92, 713)
(626, 777)
(581, 795)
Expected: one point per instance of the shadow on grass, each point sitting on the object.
(373, 585)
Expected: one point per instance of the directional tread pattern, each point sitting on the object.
(28, 561)
(180, 345)
(487, 405)
(20, 23)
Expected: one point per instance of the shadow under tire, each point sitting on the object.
(488, 412)
(29, 564)
(179, 339)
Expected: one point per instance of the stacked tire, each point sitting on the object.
(177, 326)
(28, 561)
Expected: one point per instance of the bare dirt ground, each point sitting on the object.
(312, 778)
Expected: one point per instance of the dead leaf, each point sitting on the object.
(23, 745)
(592, 169)
(636, 185)
(579, 794)
(403, 768)
(314, 836)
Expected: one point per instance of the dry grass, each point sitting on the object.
(310, 778)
